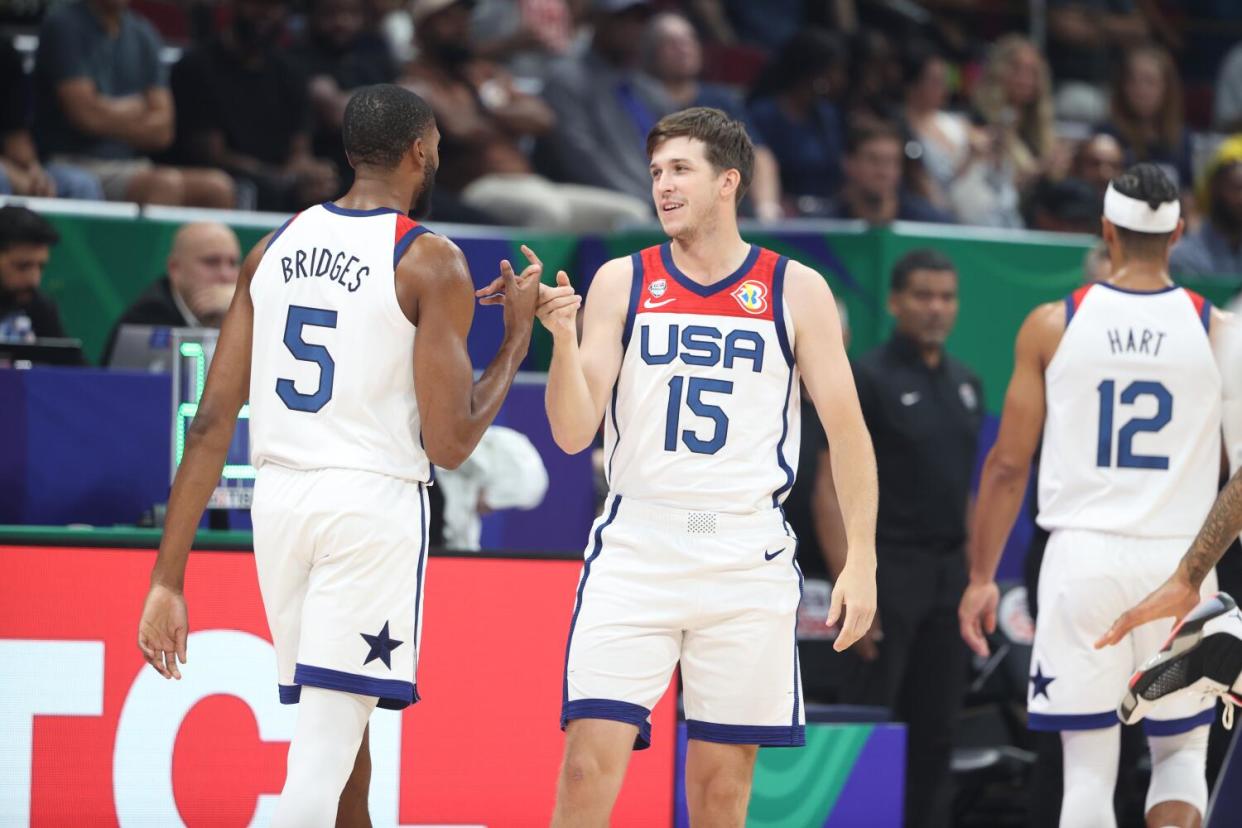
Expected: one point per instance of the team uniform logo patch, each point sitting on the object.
(752, 296)
(658, 287)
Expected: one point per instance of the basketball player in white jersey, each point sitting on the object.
(693, 350)
(347, 334)
(1121, 379)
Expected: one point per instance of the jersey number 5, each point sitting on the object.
(308, 352)
(1126, 458)
(694, 399)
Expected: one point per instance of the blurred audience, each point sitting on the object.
(873, 84)
(605, 106)
(245, 107)
(1097, 265)
(395, 25)
(21, 172)
(102, 104)
(197, 288)
(1215, 249)
(482, 117)
(1013, 97)
(873, 191)
(673, 55)
(1147, 114)
(1084, 39)
(26, 242)
(792, 107)
(1227, 111)
(1098, 161)
(1070, 205)
(971, 177)
(524, 35)
(339, 53)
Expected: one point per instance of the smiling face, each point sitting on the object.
(687, 190)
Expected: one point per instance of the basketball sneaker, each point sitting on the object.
(1203, 655)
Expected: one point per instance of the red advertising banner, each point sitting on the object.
(90, 734)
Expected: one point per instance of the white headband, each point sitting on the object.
(1132, 214)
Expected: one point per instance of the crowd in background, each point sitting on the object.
(939, 110)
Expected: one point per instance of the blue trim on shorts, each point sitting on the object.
(422, 559)
(393, 694)
(596, 548)
(1175, 727)
(797, 678)
(762, 735)
(778, 308)
(1072, 721)
(290, 693)
(612, 711)
(403, 244)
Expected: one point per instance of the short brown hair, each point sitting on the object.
(728, 145)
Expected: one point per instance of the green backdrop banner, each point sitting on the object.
(102, 264)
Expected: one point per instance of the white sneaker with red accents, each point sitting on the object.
(1202, 656)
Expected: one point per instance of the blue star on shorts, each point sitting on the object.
(1039, 683)
(381, 646)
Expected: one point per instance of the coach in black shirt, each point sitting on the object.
(923, 409)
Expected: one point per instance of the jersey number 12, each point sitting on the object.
(1126, 458)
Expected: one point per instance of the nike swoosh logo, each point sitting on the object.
(650, 304)
(767, 556)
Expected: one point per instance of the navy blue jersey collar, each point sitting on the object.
(666, 255)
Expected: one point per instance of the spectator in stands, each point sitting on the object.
(969, 172)
(1014, 98)
(792, 108)
(874, 88)
(924, 410)
(1227, 111)
(339, 54)
(873, 188)
(395, 24)
(1215, 249)
(1070, 205)
(1085, 37)
(198, 287)
(102, 104)
(20, 170)
(1098, 161)
(674, 56)
(605, 106)
(26, 241)
(482, 116)
(1147, 114)
(524, 36)
(244, 107)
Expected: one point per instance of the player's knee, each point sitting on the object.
(1178, 769)
(723, 792)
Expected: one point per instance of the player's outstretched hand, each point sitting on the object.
(977, 615)
(163, 629)
(853, 595)
(494, 293)
(1172, 599)
(558, 307)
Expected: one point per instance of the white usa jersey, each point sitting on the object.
(705, 411)
(1132, 432)
(332, 371)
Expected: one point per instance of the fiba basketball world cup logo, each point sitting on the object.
(752, 296)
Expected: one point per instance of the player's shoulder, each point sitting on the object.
(614, 275)
(803, 278)
(431, 250)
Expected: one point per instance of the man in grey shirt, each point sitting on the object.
(102, 103)
(1215, 249)
(604, 106)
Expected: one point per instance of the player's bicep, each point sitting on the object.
(443, 374)
(819, 349)
(603, 326)
(1022, 418)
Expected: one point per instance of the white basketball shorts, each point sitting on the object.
(1087, 580)
(717, 593)
(341, 556)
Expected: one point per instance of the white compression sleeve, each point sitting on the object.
(1179, 768)
(321, 756)
(1091, 760)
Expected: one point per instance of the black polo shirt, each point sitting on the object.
(924, 423)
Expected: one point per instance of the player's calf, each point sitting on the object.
(596, 755)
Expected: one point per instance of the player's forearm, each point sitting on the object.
(571, 411)
(1223, 524)
(206, 449)
(855, 479)
(486, 396)
(1001, 488)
